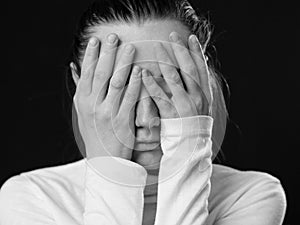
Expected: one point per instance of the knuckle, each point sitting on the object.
(78, 99)
(148, 80)
(173, 113)
(75, 97)
(169, 69)
(202, 104)
(203, 66)
(99, 74)
(125, 61)
(106, 114)
(121, 121)
(89, 64)
(89, 53)
(162, 100)
(130, 97)
(108, 49)
(171, 110)
(85, 71)
(85, 105)
(188, 109)
(199, 102)
(175, 78)
(105, 111)
(116, 83)
(157, 93)
(191, 70)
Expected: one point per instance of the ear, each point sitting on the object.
(74, 75)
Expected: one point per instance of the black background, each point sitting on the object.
(257, 46)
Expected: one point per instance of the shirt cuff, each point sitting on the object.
(113, 191)
(185, 171)
(182, 140)
(187, 125)
(117, 170)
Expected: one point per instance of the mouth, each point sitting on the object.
(148, 156)
(146, 146)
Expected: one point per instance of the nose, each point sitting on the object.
(147, 119)
(147, 115)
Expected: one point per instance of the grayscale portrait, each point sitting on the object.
(128, 120)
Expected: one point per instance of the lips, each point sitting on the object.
(146, 146)
(149, 159)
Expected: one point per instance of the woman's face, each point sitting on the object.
(147, 114)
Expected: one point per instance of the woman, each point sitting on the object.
(149, 117)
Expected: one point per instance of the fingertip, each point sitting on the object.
(147, 78)
(193, 39)
(136, 70)
(112, 38)
(174, 36)
(93, 41)
(145, 73)
(129, 49)
(193, 43)
(72, 67)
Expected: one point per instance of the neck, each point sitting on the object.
(150, 199)
(151, 188)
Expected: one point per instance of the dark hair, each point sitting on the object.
(110, 11)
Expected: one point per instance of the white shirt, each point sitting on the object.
(109, 190)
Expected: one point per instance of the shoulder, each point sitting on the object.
(226, 175)
(66, 173)
(19, 202)
(246, 194)
(30, 191)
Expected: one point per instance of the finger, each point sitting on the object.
(119, 78)
(160, 98)
(88, 66)
(198, 57)
(168, 70)
(186, 63)
(104, 66)
(74, 74)
(132, 91)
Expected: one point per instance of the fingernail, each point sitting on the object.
(93, 41)
(129, 48)
(137, 70)
(193, 39)
(111, 38)
(174, 37)
(72, 66)
(145, 73)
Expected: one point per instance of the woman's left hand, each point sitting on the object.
(197, 98)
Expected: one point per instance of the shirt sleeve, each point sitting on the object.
(114, 191)
(114, 186)
(20, 205)
(263, 203)
(185, 171)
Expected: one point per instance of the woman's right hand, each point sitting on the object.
(105, 119)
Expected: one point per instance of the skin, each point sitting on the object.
(154, 97)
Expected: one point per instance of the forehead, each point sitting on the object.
(142, 37)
